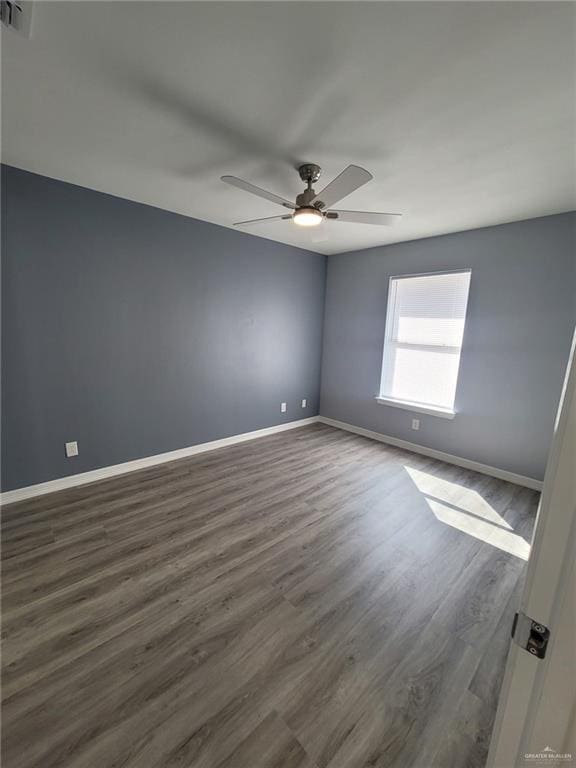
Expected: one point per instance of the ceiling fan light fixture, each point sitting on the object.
(307, 217)
(310, 207)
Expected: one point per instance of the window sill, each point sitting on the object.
(431, 410)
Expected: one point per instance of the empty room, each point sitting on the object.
(288, 384)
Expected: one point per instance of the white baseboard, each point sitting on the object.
(501, 474)
(94, 475)
(71, 481)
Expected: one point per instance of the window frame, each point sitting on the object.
(389, 344)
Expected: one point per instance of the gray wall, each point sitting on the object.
(136, 331)
(521, 314)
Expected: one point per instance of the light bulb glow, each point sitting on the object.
(307, 217)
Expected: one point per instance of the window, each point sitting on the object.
(424, 330)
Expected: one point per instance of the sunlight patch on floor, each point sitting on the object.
(466, 510)
(508, 541)
(464, 498)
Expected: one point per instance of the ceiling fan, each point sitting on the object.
(311, 208)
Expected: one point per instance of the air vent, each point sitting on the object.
(17, 15)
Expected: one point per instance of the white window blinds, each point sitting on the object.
(424, 331)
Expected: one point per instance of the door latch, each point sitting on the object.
(17, 15)
(530, 635)
(9, 10)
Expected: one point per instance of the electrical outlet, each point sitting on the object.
(415, 423)
(304, 403)
(282, 407)
(72, 449)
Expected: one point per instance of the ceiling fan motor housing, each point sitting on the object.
(304, 200)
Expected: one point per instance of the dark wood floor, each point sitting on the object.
(308, 599)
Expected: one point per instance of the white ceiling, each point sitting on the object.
(463, 112)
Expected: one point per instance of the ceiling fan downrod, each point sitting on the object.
(309, 173)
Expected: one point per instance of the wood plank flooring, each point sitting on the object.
(311, 599)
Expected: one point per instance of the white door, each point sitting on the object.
(536, 719)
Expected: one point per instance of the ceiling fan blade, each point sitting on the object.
(234, 181)
(365, 217)
(349, 180)
(260, 221)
